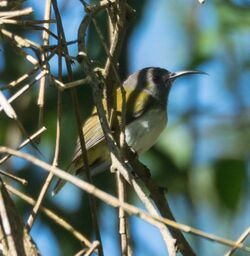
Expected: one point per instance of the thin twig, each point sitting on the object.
(121, 186)
(13, 177)
(241, 239)
(10, 112)
(107, 51)
(88, 252)
(20, 79)
(24, 22)
(45, 38)
(63, 86)
(11, 14)
(27, 56)
(24, 88)
(20, 41)
(29, 74)
(24, 143)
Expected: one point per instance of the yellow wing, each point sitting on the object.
(137, 102)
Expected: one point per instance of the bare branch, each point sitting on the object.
(13, 177)
(18, 13)
(241, 239)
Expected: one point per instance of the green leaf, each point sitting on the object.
(230, 176)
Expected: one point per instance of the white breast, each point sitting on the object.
(143, 133)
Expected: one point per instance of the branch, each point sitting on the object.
(241, 239)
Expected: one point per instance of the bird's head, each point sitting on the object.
(155, 81)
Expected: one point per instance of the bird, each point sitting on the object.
(146, 93)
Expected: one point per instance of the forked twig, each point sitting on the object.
(13, 177)
(24, 143)
(241, 239)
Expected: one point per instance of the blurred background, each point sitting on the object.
(202, 158)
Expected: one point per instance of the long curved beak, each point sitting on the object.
(175, 75)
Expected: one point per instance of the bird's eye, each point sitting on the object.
(157, 79)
